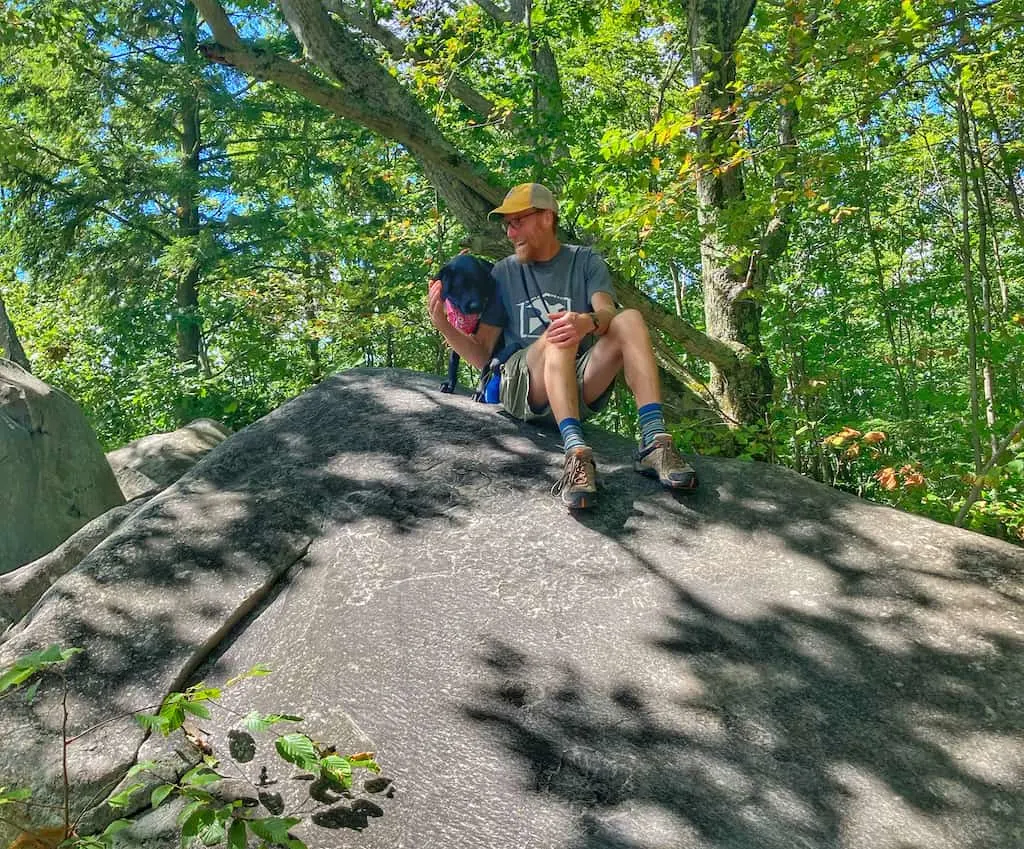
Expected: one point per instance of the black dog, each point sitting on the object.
(466, 289)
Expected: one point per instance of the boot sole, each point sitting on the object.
(583, 502)
(686, 486)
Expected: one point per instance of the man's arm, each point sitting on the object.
(569, 328)
(475, 349)
(603, 306)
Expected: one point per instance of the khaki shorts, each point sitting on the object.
(515, 389)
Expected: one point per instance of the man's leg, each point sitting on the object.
(627, 347)
(553, 383)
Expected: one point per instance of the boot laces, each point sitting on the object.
(574, 474)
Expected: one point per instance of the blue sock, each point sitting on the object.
(652, 423)
(572, 433)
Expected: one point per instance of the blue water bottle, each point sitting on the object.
(492, 390)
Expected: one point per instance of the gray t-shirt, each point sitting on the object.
(528, 293)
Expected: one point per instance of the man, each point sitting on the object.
(556, 302)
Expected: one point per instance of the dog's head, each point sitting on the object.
(466, 288)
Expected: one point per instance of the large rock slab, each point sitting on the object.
(768, 663)
(53, 475)
(22, 587)
(147, 465)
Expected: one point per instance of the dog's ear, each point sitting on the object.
(445, 275)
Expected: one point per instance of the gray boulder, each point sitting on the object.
(53, 475)
(147, 465)
(21, 589)
(767, 663)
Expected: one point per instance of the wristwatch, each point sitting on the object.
(597, 324)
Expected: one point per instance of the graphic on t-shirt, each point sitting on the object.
(533, 314)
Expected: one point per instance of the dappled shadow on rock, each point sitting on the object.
(151, 603)
(355, 816)
(840, 675)
(763, 663)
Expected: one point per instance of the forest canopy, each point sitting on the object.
(207, 207)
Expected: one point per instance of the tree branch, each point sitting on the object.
(401, 51)
(366, 93)
(979, 481)
(505, 16)
(724, 355)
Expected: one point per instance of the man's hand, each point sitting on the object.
(567, 328)
(435, 307)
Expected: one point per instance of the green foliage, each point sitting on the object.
(203, 817)
(315, 236)
(32, 664)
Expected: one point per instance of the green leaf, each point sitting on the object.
(338, 768)
(275, 830)
(122, 799)
(299, 750)
(201, 693)
(172, 716)
(254, 721)
(212, 834)
(258, 671)
(160, 793)
(364, 763)
(115, 827)
(199, 776)
(141, 766)
(198, 820)
(236, 835)
(153, 722)
(51, 654)
(30, 693)
(196, 709)
(8, 796)
(13, 677)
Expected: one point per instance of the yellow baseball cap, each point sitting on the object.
(526, 196)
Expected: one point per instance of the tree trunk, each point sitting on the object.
(731, 312)
(886, 309)
(10, 346)
(187, 324)
(968, 280)
(1009, 177)
(988, 371)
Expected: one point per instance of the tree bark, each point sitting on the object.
(731, 311)
(968, 279)
(188, 198)
(10, 346)
(188, 329)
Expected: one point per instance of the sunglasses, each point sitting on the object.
(517, 222)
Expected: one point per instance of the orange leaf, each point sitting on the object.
(887, 478)
(44, 838)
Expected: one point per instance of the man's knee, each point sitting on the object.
(628, 323)
(545, 355)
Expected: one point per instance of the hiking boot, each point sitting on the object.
(662, 460)
(578, 484)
